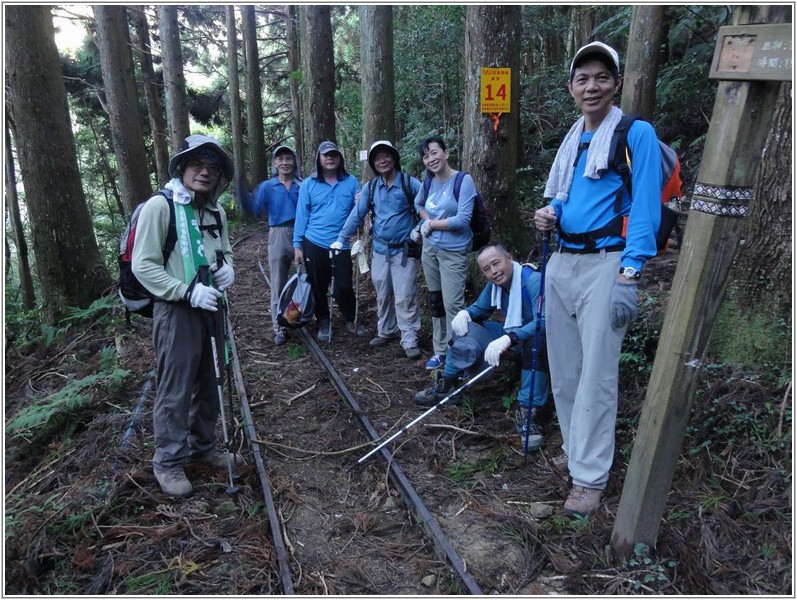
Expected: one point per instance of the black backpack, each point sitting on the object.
(136, 298)
(480, 219)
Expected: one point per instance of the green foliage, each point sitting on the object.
(494, 463)
(296, 351)
(73, 397)
(646, 571)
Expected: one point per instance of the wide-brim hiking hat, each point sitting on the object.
(383, 145)
(200, 146)
(596, 48)
(467, 351)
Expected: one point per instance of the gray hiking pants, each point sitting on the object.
(186, 402)
(583, 357)
(280, 257)
(396, 298)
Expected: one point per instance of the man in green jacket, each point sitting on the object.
(186, 403)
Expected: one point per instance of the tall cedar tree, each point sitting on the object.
(236, 126)
(258, 166)
(378, 88)
(15, 216)
(642, 60)
(295, 66)
(319, 80)
(490, 151)
(116, 58)
(157, 122)
(70, 268)
(173, 77)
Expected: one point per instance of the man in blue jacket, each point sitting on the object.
(513, 290)
(591, 279)
(278, 197)
(395, 257)
(325, 201)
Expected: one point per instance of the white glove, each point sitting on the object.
(415, 234)
(459, 324)
(426, 228)
(223, 276)
(356, 248)
(204, 297)
(336, 246)
(493, 353)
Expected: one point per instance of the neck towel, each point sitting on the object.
(514, 309)
(561, 175)
(189, 237)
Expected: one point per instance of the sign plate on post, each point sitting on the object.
(496, 89)
(753, 53)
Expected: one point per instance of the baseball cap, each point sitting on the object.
(596, 48)
(327, 147)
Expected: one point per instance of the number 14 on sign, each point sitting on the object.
(496, 89)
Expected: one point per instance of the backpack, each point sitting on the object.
(136, 298)
(671, 182)
(480, 219)
(296, 301)
(620, 162)
(406, 187)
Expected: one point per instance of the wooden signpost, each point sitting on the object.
(749, 60)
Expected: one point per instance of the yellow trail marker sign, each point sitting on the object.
(496, 89)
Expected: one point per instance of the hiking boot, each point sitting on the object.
(173, 482)
(442, 388)
(280, 338)
(535, 431)
(381, 341)
(413, 352)
(582, 500)
(358, 330)
(324, 330)
(437, 361)
(216, 458)
(560, 463)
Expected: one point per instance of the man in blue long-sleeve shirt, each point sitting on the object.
(513, 290)
(325, 201)
(394, 260)
(591, 281)
(278, 196)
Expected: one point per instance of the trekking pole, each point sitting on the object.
(464, 386)
(546, 236)
(226, 328)
(211, 321)
(332, 255)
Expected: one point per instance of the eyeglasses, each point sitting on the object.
(212, 168)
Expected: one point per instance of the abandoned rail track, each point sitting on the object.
(265, 463)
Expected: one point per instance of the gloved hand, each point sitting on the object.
(459, 324)
(415, 234)
(357, 247)
(623, 303)
(336, 246)
(204, 297)
(223, 276)
(493, 353)
(426, 228)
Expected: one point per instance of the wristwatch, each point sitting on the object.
(630, 273)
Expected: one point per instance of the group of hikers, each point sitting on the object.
(567, 334)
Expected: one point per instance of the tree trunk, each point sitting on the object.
(295, 66)
(116, 60)
(157, 123)
(173, 77)
(490, 153)
(377, 77)
(258, 165)
(70, 268)
(235, 97)
(642, 60)
(319, 79)
(12, 203)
